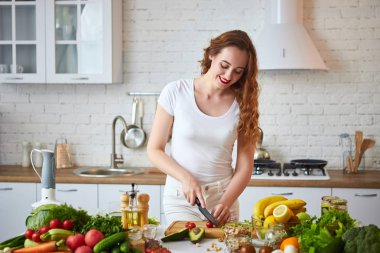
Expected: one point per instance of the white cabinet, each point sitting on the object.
(22, 41)
(81, 196)
(84, 41)
(109, 197)
(363, 204)
(71, 41)
(312, 196)
(16, 204)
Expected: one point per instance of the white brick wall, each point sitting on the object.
(302, 112)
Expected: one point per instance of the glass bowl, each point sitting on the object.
(260, 226)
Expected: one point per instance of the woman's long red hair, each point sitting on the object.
(247, 88)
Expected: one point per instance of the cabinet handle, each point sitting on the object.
(123, 191)
(283, 193)
(6, 189)
(68, 190)
(14, 78)
(365, 195)
(80, 78)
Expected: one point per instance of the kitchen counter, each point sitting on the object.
(152, 176)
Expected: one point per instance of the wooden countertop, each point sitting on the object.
(152, 176)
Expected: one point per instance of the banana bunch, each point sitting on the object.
(259, 207)
(265, 206)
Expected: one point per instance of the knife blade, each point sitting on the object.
(205, 212)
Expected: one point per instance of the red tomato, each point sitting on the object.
(43, 229)
(36, 237)
(148, 250)
(165, 250)
(209, 224)
(191, 225)
(68, 224)
(55, 224)
(187, 224)
(29, 233)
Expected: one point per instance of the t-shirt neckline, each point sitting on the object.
(204, 114)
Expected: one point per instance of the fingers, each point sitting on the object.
(191, 194)
(222, 214)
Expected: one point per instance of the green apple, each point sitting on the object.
(303, 216)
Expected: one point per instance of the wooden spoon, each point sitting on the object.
(358, 144)
(366, 144)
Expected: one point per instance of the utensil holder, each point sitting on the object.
(346, 166)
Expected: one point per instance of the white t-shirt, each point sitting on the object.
(200, 143)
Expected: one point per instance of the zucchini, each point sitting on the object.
(109, 242)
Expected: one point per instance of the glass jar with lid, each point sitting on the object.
(339, 204)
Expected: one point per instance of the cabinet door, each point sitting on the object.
(363, 204)
(109, 197)
(80, 41)
(22, 41)
(81, 196)
(16, 204)
(312, 196)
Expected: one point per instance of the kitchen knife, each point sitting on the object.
(205, 212)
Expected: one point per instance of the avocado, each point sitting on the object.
(177, 236)
(197, 234)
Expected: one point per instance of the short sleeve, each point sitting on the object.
(168, 97)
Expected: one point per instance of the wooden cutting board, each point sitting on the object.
(176, 226)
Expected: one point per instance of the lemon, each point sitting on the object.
(270, 220)
(282, 213)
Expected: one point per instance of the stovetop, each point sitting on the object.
(290, 171)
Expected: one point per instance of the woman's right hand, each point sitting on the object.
(191, 188)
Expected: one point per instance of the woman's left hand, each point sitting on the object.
(221, 213)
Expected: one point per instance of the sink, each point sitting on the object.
(106, 172)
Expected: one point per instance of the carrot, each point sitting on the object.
(40, 248)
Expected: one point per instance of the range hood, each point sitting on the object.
(284, 42)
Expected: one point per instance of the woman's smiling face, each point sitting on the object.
(228, 66)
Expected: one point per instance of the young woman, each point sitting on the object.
(204, 117)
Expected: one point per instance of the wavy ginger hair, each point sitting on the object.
(247, 88)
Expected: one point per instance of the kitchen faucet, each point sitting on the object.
(115, 159)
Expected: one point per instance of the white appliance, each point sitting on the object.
(284, 42)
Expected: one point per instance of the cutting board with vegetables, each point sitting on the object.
(176, 226)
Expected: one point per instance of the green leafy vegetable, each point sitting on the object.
(323, 235)
(107, 224)
(362, 239)
(42, 215)
(153, 220)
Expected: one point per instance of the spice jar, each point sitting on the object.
(274, 235)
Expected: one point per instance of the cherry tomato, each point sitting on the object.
(148, 250)
(43, 229)
(209, 224)
(36, 237)
(68, 224)
(55, 223)
(191, 225)
(29, 233)
(187, 224)
(165, 250)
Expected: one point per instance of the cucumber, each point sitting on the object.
(109, 242)
(177, 236)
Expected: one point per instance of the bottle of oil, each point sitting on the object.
(129, 213)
